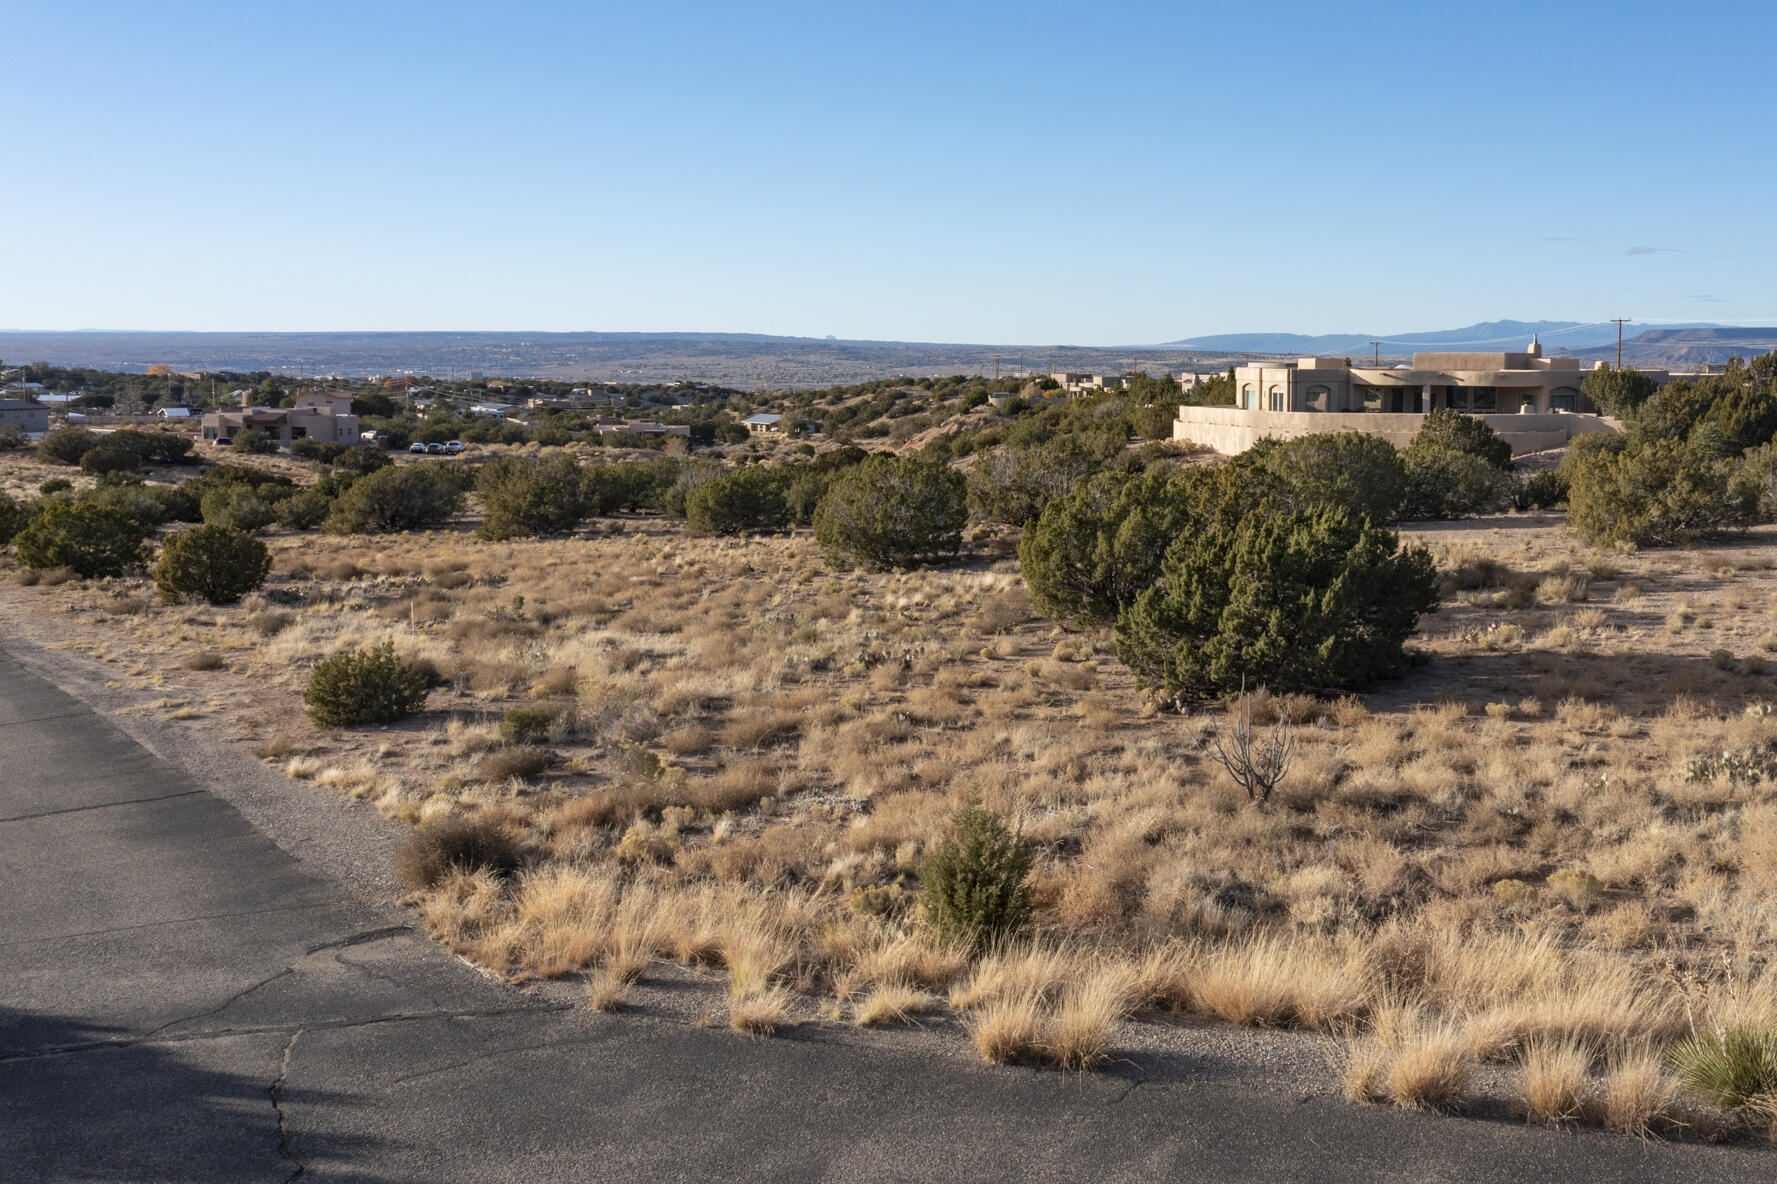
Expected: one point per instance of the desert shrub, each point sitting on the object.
(744, 501)
(252, 440)
(88, 540)
(1313, 600)
(1657, 494)
(303, 511)
(1361, 472)
(974, 881)
(892, 512)
(238, 507)
(437, 848)
(55, 485)
(99, 461)
(163, 448)
(1093, 551)
(362, 458)
(1731, 1066)
(523, 762)
(527, 496)
(1542, 490)
(1013, 485)
(365, 687)
(1445, 427)
(12, 518)
(523, 724)
(321, 451)
(1617, 392)
(1444, 483)
(67, 445)
(12, 437)
(401, 497)
(217, 563)
(271, 486)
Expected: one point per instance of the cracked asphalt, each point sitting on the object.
(182, 1000)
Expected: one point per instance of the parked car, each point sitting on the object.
(435, 449)
(416, 446)
(453, 447)
(222, 441)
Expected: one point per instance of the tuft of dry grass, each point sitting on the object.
(1432, 1070)
(1555, 1080)
(762, 1014)
(1009, 1028)
(890, 1003)
(606, 991)
(1271, 981)
(1078, 1034)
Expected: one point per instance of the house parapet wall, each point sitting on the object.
(1232, 430)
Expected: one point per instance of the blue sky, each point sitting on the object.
(1025, 173)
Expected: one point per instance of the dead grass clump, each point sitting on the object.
(1431, 1071)
(762, 1015)
(760, 729)
(523, 762)
(1555, 1077)
(890, 1003)
(1079, 1033)
(1271, 981)
(1008, 1029)
(436, 849)
(1638, 1094)
(690, 740)
(606, 991)
(203, 660)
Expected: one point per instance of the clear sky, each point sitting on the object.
(1109, 173)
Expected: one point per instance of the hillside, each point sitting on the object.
(1681, 349)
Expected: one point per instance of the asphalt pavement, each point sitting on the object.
(183, 1000)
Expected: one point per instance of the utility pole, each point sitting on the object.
(1375, 353)
(1619, 322)
(996, 367)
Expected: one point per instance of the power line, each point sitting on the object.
(1619, 322)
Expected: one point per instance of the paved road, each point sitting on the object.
(182, 1000)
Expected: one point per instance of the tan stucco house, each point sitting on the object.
(318, 415)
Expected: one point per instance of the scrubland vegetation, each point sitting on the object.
(1536, 845)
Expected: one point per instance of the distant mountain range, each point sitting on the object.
(1488, 336)
(751, 360)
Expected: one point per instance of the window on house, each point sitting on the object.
(1564, 398)
(1318, 397)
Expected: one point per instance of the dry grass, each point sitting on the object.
(1431, 1070)
(762, 1015)
(754, 756)
(890, 1003)
(1555, 1080)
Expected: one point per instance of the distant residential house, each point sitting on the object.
(490, 410)
(610, 426)
(27, 416)
(174, 413)
(318, 415)
(765, 422)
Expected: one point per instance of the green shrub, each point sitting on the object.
(527, 496)
(401, 497)
(1090, 553)
(1730, 1067)
(892, 512)
(744, 501)
(151, 505)
(523, 724)
(12, 518)
(163, 448)
(1444, 483)
(238, 507)
(362, 458)
(975, 881)
(252, 440)
(1617, 392)
(87, 539)
(303, 511)
(1543, 490)
(218, 476)
(320, 451)
(55, 485)
(99, 461)
(67, 445)
(1314, 600)
(1014, 484)
(1361, 472)
(436, 849)
(216, 563)
(1445, 427)
(365, 687)
(1658, 494)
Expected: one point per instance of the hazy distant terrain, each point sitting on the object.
(729, 359)
(748, 360)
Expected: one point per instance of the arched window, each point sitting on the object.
(1277, 399)
(1249, 399)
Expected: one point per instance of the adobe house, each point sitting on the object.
(1532, 401)
(318, 415)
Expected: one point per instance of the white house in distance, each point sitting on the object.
(1532, 401)
(763, 422)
